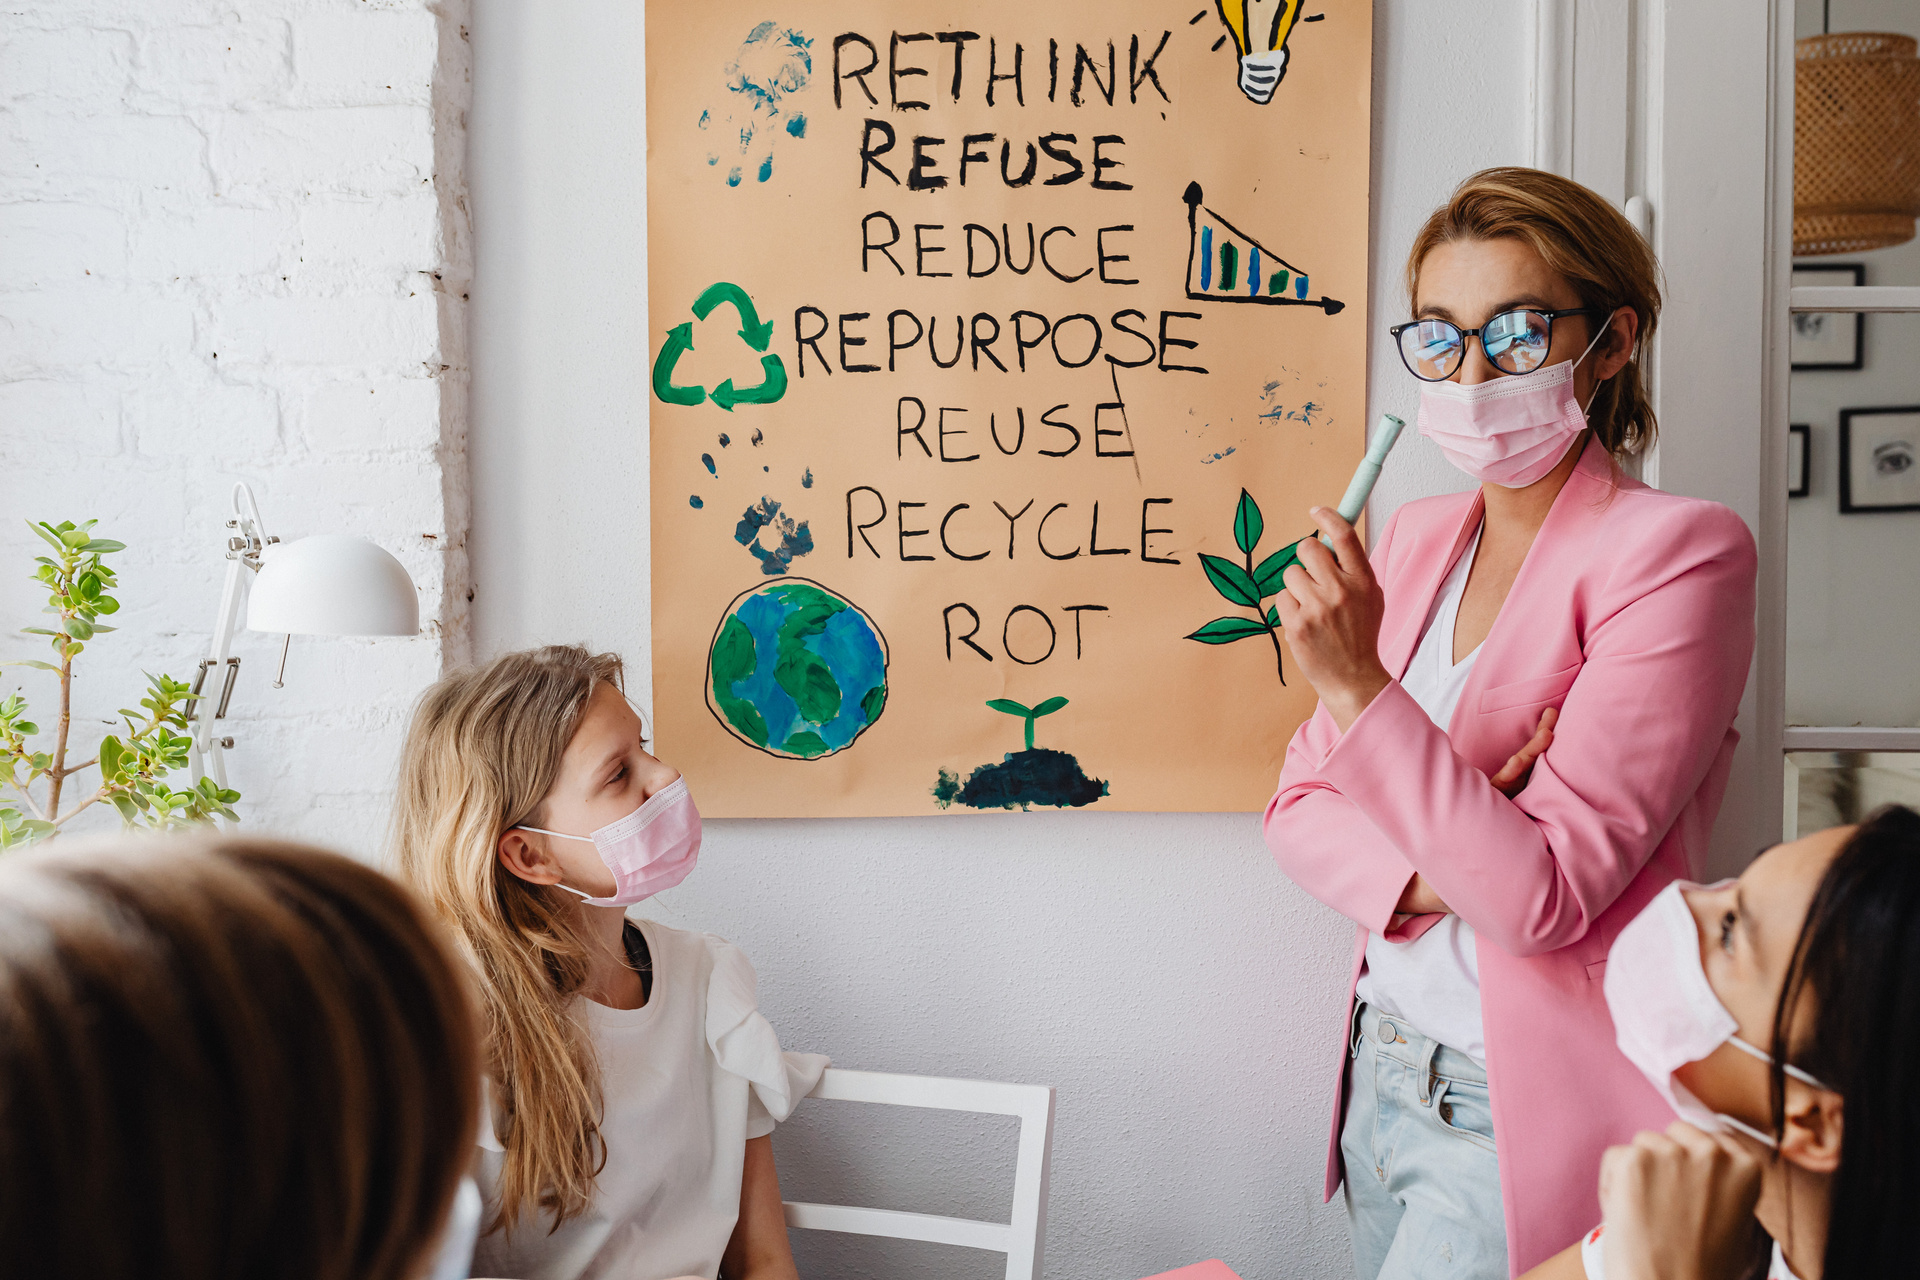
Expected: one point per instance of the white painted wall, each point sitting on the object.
(1158, 969)
(234, 247)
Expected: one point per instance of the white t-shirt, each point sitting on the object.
(1595, 1262)
(1433, 982)
(687, 1079)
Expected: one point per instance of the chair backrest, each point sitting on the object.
(1023, 1238)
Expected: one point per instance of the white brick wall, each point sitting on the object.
(234, 245)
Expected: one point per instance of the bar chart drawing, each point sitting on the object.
(1225, 264)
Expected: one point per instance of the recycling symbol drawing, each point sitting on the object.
(773, 381)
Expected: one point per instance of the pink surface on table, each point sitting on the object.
(1212, 1270)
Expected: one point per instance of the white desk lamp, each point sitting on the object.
(329, 584)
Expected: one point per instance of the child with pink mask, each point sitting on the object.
(632, 1083)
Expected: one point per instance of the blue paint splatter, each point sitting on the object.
(771, 64)
(806, 481)
(725, 440)
(766, 468)
(695, 502)
(795, 539)
(1216, 457)
(1281, 413)
(706, 460)
(1304, 414)
(758, 436)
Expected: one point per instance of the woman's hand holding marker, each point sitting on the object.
(1331, 610)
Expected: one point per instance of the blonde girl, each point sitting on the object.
(633, 1084)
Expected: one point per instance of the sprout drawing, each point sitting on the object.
(1248, 586)
(1031, 714)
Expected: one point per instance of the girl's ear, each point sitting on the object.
(528, 858)
(1814, 1128)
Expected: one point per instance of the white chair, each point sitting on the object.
(1022, 1239)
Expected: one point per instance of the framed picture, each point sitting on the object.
(1880, 459)
(1798, 474)
(1828, 339)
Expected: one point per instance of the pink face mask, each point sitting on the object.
(650, 850)
(1665, 1013)
(1509, 430)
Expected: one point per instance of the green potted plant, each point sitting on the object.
(36, 801)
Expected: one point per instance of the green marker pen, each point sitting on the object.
(1361, 486)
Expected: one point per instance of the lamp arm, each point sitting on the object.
(243, 555)
(219, 655)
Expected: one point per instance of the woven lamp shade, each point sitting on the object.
(1856, 142)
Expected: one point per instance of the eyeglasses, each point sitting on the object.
(1516, 342)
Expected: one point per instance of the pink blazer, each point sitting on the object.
(1634, 614)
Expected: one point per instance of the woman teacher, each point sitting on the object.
(1525, 728)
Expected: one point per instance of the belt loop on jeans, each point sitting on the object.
(1428, 1074)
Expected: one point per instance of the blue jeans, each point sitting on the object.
(1423, 1182)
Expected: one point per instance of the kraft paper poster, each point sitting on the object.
(971, 323)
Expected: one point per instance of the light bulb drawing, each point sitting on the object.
(1260, 29)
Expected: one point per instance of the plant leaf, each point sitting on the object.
(109, 758)
(1273, 616)
(1050, 706)
(102, 545)
(77, 627)
(52, 538)
(1270, 577)
(1230, 580)
(1227, 630)
(1247, 523)
(1009, 706)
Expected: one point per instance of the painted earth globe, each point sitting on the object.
(796, 670)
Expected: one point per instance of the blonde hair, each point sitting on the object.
(1578, 234)
(223, 1058)
(482, 753)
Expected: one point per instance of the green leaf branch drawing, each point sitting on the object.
(1249, 585)
(1031, 714)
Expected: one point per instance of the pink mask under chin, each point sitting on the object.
(649, 851)
(1510, 431)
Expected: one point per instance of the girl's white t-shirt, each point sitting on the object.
(1595, 1263)
(1433, 983)
(687, 1079)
